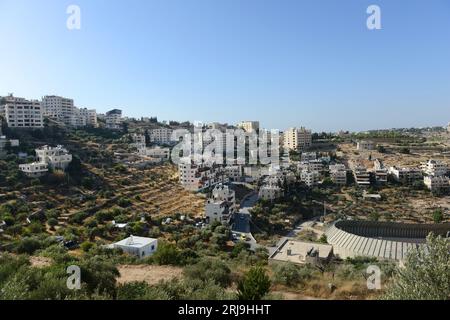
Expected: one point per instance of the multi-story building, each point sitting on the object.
(365, 145)
(195, 177)
(249, 126)
(270, 192)
(139, 141)
(362, 176)
(161, 135)
(435, 168)
(114, 119)
(313, 165)
(338, 174)
(85, 117)
(234, 173)
(222, 204)
(380, 172)
(60, 109)
(56, 158)
(406, 175)
(308, 156)
(310, 178)
(297, 139)
(437, 184)
(22, 113)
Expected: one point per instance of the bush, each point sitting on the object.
(28, 246)
(209, 269)
(167, 254)
(287, 274)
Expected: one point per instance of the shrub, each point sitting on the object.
(255, 285)
(209, 269)
(287, 274)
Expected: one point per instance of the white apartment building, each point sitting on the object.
(22, 113)
(437, 184)
(196, 177)
(365, 145)
(55, 158)
(85, 117)
(161, 135)
(270, 192)
(139, 141)
(222, 204)
(249, 126)
(313, 165)
(60, 109)
(362, 176)
(297, 139)
(113, 119)
(435, 168)
(310, 178)
(338, 174)
(34, 169)
(406, 175)
(155, 152)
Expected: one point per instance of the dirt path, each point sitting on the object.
(148, 273)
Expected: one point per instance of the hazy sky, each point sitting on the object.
(285, 63)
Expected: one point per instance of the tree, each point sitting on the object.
(52, 222)
(438, 216)
(255, 285)
(426, 275)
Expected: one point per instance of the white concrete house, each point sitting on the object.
(34, 169)
(139, 246)
(56, 158)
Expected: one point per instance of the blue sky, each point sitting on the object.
(285, 63)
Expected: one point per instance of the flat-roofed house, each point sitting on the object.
(139, 246)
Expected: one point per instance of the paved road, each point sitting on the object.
(241, 225)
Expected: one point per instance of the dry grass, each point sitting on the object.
(148, 273)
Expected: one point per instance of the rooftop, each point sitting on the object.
(136, 242)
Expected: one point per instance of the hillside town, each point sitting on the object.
(89, 182)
